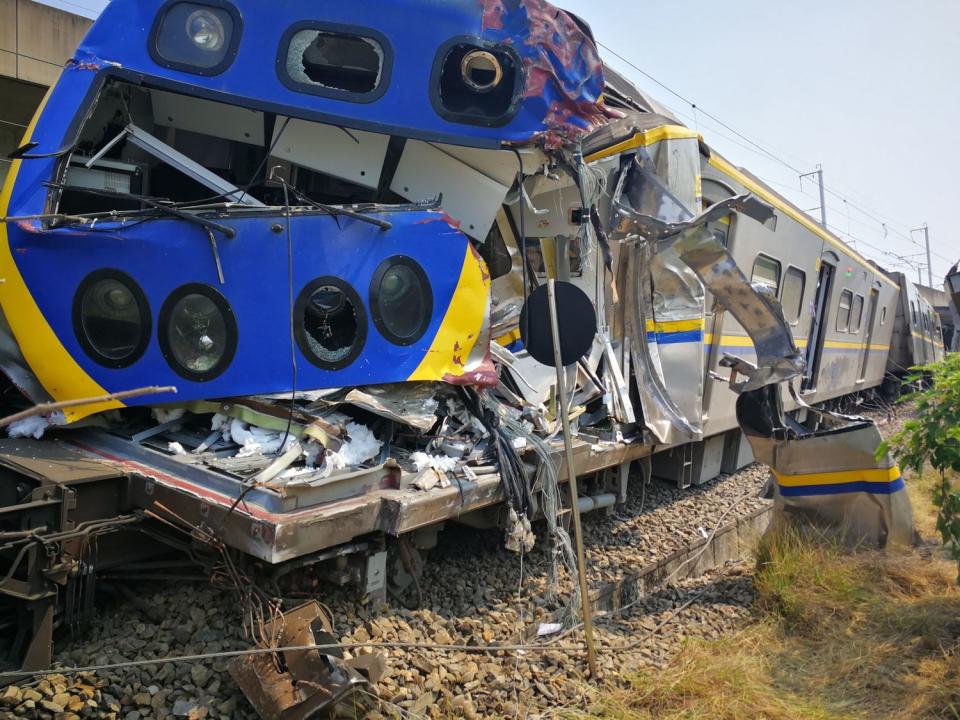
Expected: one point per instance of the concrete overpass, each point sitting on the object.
(35, 41)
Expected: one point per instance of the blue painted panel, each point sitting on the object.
(164, 254)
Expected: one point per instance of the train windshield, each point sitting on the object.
(186, 151)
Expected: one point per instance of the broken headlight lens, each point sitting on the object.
(401, 300)
(196, 37)
(198, 333)
(331, 327)
(111, 318)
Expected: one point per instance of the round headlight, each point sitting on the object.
(331, 327)
(111, 318)
(198, 333)
(401, 300)
(197, 37)
(205, 30)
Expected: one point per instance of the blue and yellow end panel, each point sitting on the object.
(42, 269)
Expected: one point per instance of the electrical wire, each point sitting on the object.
(878, 217)
(293, 340)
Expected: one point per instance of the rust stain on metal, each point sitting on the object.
(297, 684)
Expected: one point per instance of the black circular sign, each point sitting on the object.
(576, 318)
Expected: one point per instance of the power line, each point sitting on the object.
(881, 219)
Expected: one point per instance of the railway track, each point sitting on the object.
(473, 592)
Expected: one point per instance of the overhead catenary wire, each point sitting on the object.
(881, 219)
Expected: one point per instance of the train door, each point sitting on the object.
(868, 336)
(818, 326)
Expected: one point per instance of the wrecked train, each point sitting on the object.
(322, 233)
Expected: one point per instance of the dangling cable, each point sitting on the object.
(293, 339)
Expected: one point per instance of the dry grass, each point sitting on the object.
(836, 635)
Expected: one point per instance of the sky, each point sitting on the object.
(864, 88)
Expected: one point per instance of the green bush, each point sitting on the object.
(933, 438)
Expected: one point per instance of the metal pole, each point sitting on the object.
(823, 203)
(926, 240)
(564, 412)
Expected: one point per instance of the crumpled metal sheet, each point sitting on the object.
(297, 684)
(665, 299)
(661, 414)
(640, 191)
(560, 61)
(413, 404)
(830, 478)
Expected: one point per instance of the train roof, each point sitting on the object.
(380, 64)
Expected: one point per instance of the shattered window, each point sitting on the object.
(335, 61)
(843, 312)
(792, 297)
(856, 314)
(766, 271)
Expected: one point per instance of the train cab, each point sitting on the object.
(235, 198)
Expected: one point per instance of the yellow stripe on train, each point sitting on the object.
(668, 326)
(873, 475)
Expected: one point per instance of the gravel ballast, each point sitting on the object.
(473, 592)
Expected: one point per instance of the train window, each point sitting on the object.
(111, 318)
(856, 314)
(843, 312)
(335, 61)
(883, 315)
(197, 332)
(401, 300)
(330, 325)
(791, 297)
(913, 311)
(766, 271)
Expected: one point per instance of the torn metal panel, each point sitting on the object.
(661, 414)
(413, 404)
(564, 74)
(828, 478)
(301, 683)
(675, 333)
(675, 225)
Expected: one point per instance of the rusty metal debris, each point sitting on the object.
(299, 684)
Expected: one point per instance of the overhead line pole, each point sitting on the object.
(823, 203)
(926, 241)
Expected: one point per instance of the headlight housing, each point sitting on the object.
(111, 318)
(401, 300)
(330, 323)
(197, 332)
(201, 38)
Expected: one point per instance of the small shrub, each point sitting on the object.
(933, 438)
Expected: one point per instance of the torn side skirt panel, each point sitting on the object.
(830, 478)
